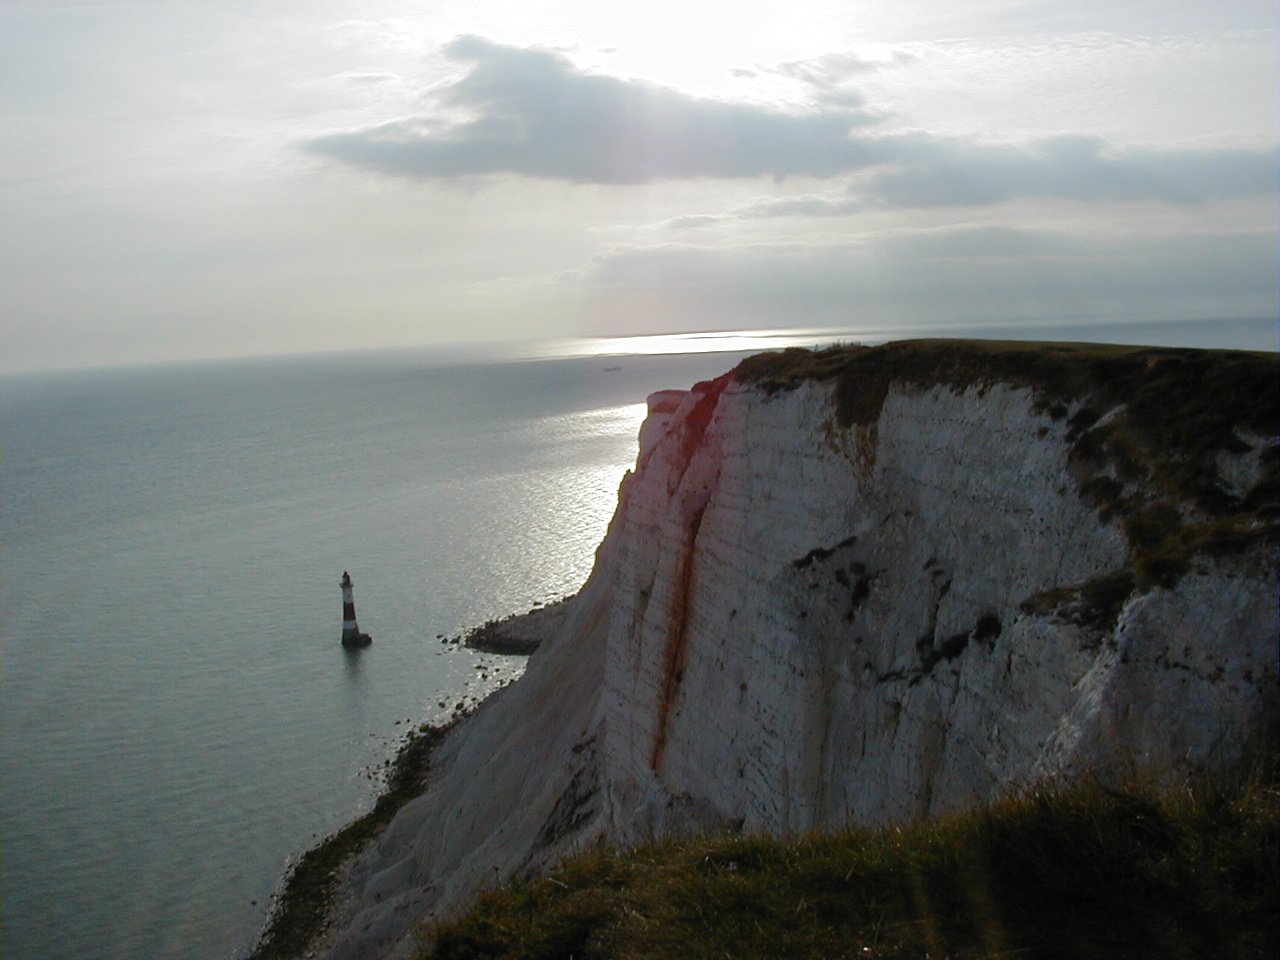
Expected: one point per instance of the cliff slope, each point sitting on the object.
(866, 585)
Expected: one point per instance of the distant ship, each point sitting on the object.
(351, 635)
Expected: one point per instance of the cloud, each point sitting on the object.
(365, 78)
(804, 205)
(934, 172)
(801, 206)
(692, 221)
(930, 171)
(984, 243)
(531, 112)
(826, 76)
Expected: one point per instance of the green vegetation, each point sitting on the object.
(1146, 427)
(1066, 872)
(302, 909)
(1094, 604)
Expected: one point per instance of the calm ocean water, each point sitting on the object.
(177, 718)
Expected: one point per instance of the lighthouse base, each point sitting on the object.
(350, 640)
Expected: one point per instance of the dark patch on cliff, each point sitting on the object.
(821, 553)
(848, 582)
(578, 804)
(933, 651)
(1094, 605)
(673, 654)
(988, 628)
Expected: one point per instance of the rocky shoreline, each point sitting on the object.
(301, 910)
(520, 633)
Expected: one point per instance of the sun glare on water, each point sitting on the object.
(718, 341)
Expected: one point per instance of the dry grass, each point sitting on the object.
(1060, 872)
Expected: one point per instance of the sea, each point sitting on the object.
(178, 720)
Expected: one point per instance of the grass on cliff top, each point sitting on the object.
(1206, 391)
(1151, 466)
(1072, 872)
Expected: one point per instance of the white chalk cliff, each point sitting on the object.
(854, 595)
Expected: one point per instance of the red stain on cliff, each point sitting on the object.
(673, 655)
(692, 507)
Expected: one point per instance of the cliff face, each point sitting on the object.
(869, 585)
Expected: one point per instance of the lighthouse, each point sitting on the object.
(351, 635)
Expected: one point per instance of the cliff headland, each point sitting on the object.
(867, 586)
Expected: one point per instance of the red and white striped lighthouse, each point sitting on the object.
(351, 635)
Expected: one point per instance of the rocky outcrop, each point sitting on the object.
(863, 586)
(518, 634)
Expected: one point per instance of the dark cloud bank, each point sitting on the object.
(530, 112)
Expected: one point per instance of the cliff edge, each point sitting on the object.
(866, 585)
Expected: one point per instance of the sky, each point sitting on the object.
(189, 179)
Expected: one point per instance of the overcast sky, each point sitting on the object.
(191, 178)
